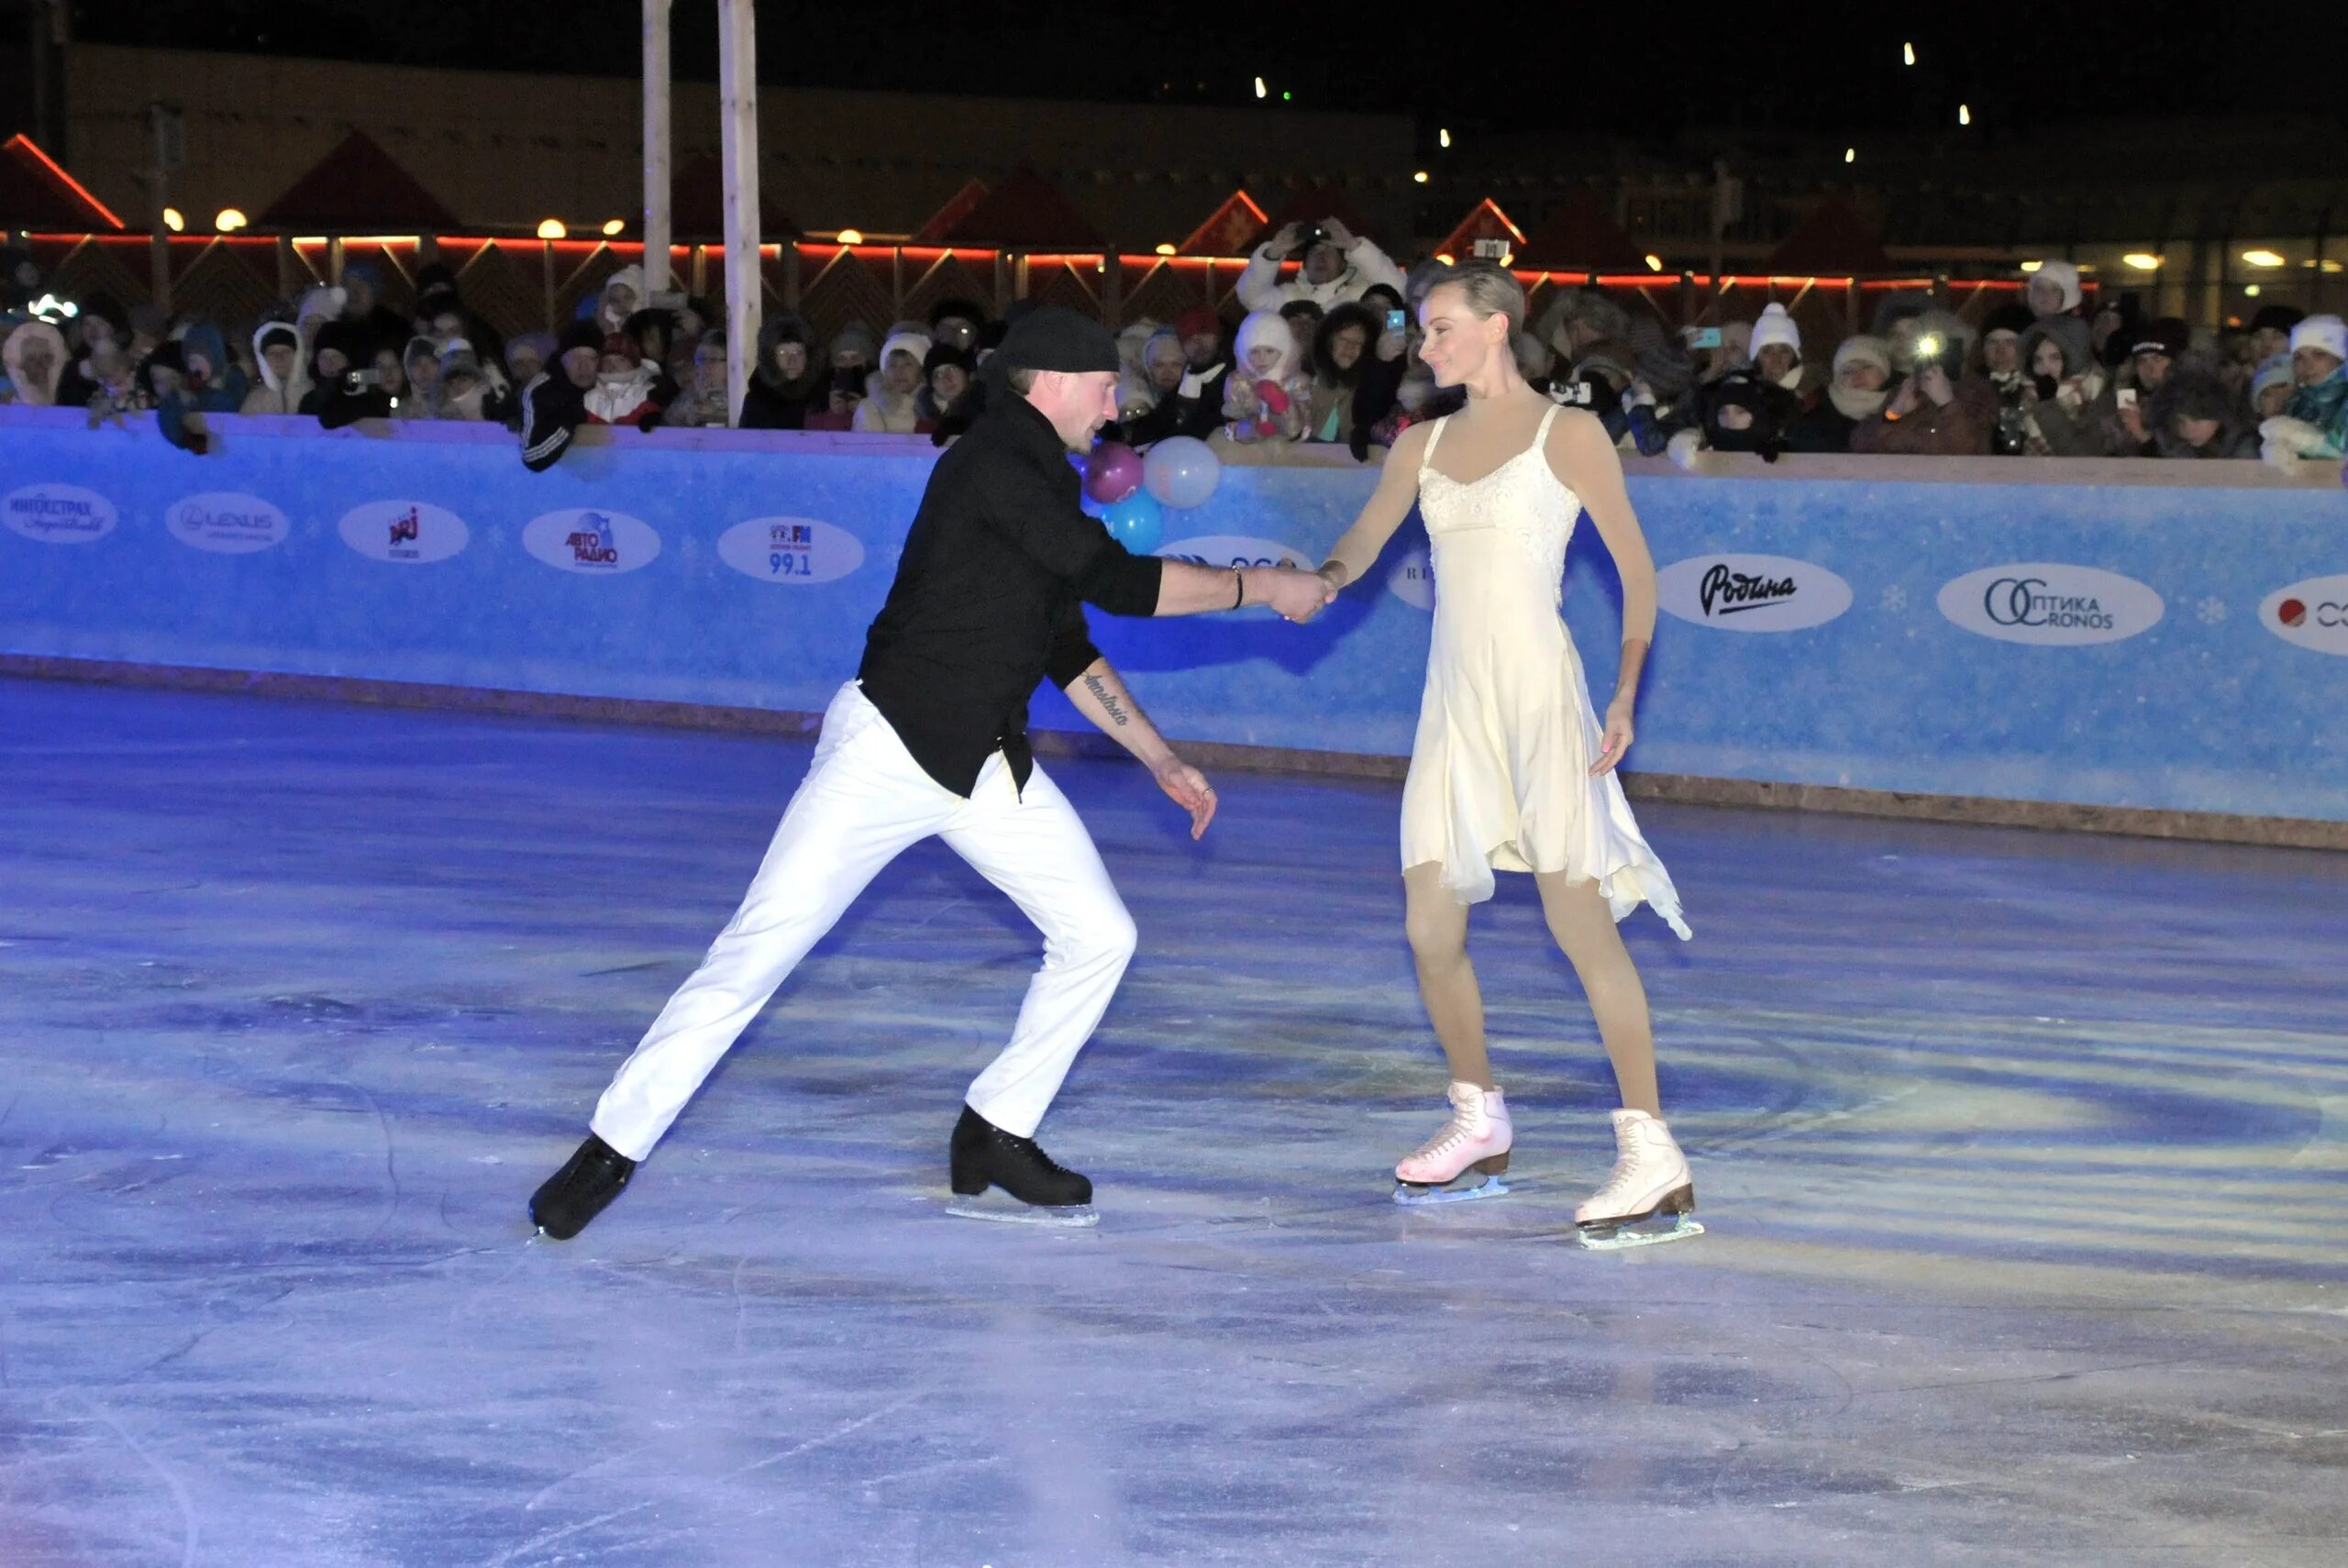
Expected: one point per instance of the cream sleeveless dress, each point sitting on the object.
(1499, 772)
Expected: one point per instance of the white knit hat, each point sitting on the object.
(1776, 326)
(2325, 332)
(2065, 275)
(912, 343)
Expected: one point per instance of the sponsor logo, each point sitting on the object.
(2051, 604)
(410, 532)
(1223, 551)
(227, 523)
(1412, 580)
(1751, 593)
(790, 549)
(59, 514)
(591, 542)
(2311, 614)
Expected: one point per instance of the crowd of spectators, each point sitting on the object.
(1326, 354)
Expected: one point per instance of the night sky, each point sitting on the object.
(1831, 68)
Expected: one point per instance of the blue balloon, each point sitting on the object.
(1138, 522)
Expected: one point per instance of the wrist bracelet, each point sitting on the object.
(1239, 589)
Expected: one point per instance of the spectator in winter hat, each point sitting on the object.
(791, 379)
(420, 364)
(2159, 346)
(2193, 415)
(1264, 398)
(527, 354)
(627, 389)
(2271, 386)
(1187, 369)
(2052, 288)
(1861, 384)
(2270, 330)
(702, 403)
(1937, 409)
(2066, 394)
(466, 391)
(1338, 265)
(891, 406)
(621, 297)
(285, 380)
(553, 403)
(2315, 424)
(1577, 319)
(956, 323)
(377, 326)
(35, 355)
(2001, 366)
(1777, 352)
(946, 376)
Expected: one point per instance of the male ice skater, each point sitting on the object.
(931, 738)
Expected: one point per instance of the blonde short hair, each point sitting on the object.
(1490, 289)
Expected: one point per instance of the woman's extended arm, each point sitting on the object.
(1398, 487)
(1585, 460)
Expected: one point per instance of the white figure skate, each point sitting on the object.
(1477, 1139)
(1648, 1196)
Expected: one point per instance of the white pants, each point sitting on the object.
(864, 802)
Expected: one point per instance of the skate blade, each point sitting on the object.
(1002, 1208)
(1643, 1234)
(1410, 1195)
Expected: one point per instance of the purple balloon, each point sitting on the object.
(1113, 472)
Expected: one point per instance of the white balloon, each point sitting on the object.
(1181, 471)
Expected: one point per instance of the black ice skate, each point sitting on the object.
(578, 1192)
(1038, 1190)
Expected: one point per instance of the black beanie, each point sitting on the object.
(2014, 316)
(579, 335)
(1053, 338)
(2276, 317)
(277, 332)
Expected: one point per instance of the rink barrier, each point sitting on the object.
(726, 577)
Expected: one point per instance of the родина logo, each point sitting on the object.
(1751, 593)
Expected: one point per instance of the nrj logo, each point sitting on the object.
(59, 514)
(589, 541)
(407, 533)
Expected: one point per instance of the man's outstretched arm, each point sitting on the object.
(1187, 589)
(1100, 694)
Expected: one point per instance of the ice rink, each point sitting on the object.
(2023, 1156)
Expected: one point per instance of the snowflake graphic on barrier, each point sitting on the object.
(1894, 598)
(2211, 611)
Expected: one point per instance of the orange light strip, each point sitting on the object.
(20, 140)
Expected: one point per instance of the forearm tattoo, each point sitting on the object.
(1108, 700)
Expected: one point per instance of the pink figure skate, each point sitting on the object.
(1477, 1138)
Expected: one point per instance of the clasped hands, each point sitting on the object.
(1297, 594)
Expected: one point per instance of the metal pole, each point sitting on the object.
(655, 147)
(737, 75)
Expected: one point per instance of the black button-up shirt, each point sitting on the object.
(989, 598)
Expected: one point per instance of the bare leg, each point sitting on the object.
(1584, 927)
(1437, 924)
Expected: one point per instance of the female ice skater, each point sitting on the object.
(1512, 770)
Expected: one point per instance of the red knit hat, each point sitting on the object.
(1197, 320)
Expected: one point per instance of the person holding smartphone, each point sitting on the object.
(1337, 265)
(1938, 411)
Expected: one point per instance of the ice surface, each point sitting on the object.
(2022, 1157)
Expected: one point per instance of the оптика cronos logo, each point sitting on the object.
(2052, 603)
